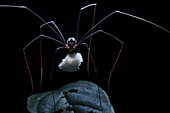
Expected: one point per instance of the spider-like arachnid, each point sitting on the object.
(73, 59)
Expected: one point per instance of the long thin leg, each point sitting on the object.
(116, 57)
(44, 37)
(90, 56)
(94, 65)
(26, 61)
(24, 7)
(26, 56)
(127, 14)
(80, 16)
(54, 60)
(120, 50)
(47, 23)
(94, 13)
(52, 22)
(62, 38)
(41, 61)
(91, 30)
(52, 68)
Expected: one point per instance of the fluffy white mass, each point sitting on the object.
(71, 62)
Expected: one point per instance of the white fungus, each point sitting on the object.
(71, 62)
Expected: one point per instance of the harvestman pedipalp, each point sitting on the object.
(72, 43)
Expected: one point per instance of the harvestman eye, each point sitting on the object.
(73, 59)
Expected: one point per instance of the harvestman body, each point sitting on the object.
(73, 60)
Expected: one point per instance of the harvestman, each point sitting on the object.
(73, 60)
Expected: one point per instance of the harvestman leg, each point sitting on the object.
(127, 14)
(26, 56)
(120, 50)
(52, 72)
(94, 62)
(45, 23)
(130, 15)
(80, 16)
(24, 7)
(54, 60)
(41, 61)
(94, 65)
(52, 22)
(139, 18)
(94, 13)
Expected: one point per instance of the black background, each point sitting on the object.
(140, 79)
